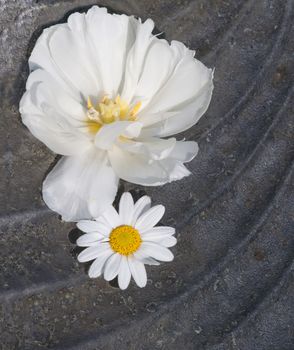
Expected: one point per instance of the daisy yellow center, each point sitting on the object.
(125, 239)
(108, 111)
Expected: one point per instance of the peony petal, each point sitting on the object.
(153, 148)
(184, 151)
(41, 59)
(138, 271)
(155, 72)
(187, 80)
(49, 122)
(110, 38)
(124, 275)
(109, 133)
(126, 208)
(181, 118)
(140, 207)
(136, 57)
(93, 252)
(139, 170)
(71, 56)
(89, 239)
(80, 187)
(97, 266)
(112, 267)
(150, 218)
(156, 251)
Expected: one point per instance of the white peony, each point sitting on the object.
(107, 95)
(120, 243)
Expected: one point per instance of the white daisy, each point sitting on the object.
(107, 95)
(121, 243)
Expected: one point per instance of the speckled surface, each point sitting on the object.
(231, 284)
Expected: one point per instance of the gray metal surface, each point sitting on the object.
(231, 283)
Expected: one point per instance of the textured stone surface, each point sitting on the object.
(231, 284)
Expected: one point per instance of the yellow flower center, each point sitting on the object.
(108, 111)
(125, 239)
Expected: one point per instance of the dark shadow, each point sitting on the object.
(114, 283)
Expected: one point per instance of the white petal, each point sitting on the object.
(169, 242)
(124, 275)
(158, 233)
(110, 38)
(136, 58)
(97, 266)
(80, 187)
(139, 170)
(133, 130)
(112, 218)
(187, 80)
(47, 112)
(109, 133)
(140, 207)
(70, 54)
(41, 59)
(155, 71)
(181, 118)
(152, 148)
(138, 271)
(149, 219)
(145, 259)
(184, 151)
(126, 208)
(89, 239)
(156, 251)
(93, 252)
(63, 52)
(93, 226)
(112, 267)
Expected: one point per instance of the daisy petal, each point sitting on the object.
(112, 267)
(93, 226)
(97, 266)
(126, 208)
(140, 207)
(169, 242)
(80, 187)
(111, 217)
(145, 259)
(89, 239)
(150, 218)
(92, 253)
(138, 271)
(158, 233)
(156, 251)
(124, 275)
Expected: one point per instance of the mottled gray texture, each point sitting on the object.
(231, 283)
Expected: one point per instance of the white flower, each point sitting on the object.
(107, 95)
(121, 243)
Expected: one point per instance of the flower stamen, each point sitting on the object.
(125, 239)
(108, 111)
